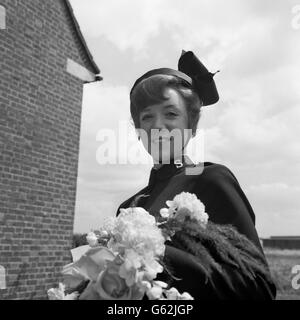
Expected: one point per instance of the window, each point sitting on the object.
(2, 278)
(2, 18)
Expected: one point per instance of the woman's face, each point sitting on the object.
(165, 127)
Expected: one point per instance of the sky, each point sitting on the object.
(253, 129)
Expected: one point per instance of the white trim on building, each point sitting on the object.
(79, 71)
(2, 18)
(2, 278)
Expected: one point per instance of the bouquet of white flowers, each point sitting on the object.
(124, 256)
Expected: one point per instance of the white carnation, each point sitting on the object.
(92, 239)
(105, 231)
(173, 294)
(136, 229)
(187, 204)
(56, 293)
(137, 238)
(185, 296)
(59, 293)
(165, 213)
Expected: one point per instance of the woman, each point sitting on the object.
(164, 101)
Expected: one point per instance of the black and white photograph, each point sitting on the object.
(149, 150)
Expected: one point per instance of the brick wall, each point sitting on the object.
(40, 116)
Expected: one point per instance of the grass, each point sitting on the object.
(281, 263)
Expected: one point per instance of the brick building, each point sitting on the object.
(44, 62)
(282, 242)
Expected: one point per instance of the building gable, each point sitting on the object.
(43, 63)
(90, 58)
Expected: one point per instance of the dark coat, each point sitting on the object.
(225, 203)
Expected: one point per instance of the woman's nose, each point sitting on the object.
(158, 123)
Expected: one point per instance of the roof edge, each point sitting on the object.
(96, 69)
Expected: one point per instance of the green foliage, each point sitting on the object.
(79, 239)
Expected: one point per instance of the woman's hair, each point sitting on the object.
(152, 90)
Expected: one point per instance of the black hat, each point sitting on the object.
(194, 72)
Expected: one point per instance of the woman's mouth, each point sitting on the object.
(160, 139)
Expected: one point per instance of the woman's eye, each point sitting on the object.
(146, 117)
(171, 114)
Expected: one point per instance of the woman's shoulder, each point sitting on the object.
(216, 173)
(129, 202)
(216, 179)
